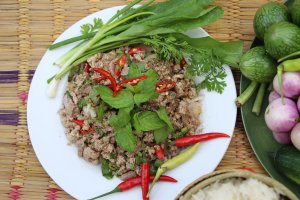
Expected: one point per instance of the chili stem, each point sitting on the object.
(245, 95)
(174, 162)
(259, 99)
(117, 189)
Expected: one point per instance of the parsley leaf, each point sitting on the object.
(125, 138)
(88, 28)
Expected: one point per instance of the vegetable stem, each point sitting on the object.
(279, 74)
(174, 162)
(244, 97)
(297, 53)
(259, 99)
(71, 40)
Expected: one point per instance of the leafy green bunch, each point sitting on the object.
(130, 120)
(160, 26)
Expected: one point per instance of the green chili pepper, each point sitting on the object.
(174, 162)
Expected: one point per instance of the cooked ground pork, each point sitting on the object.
(182, 104)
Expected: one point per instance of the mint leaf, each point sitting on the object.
(125, 138)
(160, 135)
(162, 114)
(148, 85)
(100, 111)
(106, 171)
(82, 102)
(144, 97)
(135, 70)
(122, 100)
(94, 96)
(120, 120)
(147, 121)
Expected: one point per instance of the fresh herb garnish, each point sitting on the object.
(148, 24)
(82, 102)
(125, 138)
(106, 171)
(89, 28)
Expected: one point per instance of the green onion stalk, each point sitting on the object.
(84, 50)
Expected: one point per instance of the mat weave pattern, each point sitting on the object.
(27, 27)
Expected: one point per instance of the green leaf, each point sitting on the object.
(106, 171)
(162, 114)
(100, 111)
(120, 120)
(160, 135)
(94, 96)
(147, 121)
(82, 102)
(148, 85)
(125, 138)
(88, 28)
(135, 70)
(145, 97)
(122, 100)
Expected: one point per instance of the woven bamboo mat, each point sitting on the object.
(27, 27)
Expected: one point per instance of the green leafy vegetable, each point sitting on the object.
(106, 171)
(162, 114)
(159, 25)
(82, 102)
(88, 28)
(125, 138)
(120, 120)
(147, 121)
(122, 100)
(100, 111)
(135, 70)
(160, 135)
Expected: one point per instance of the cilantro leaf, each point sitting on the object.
(88, 28)
(122, 100)
(147, 121)
(162, 114)
(161, 134)
(125, 138)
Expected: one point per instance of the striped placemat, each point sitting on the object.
(27, 27)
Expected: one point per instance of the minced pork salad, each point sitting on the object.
(126, 107)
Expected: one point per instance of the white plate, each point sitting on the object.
(83, 180)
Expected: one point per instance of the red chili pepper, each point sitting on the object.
(134, 181)
(87, 68)
(99, 79)
(81, 123)
(133, 81)
(145, 171)
(135, 50)
(164, 86)
(108, 75)
(189, 140)
(120, 64)
(183, 62)
(159, 151)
